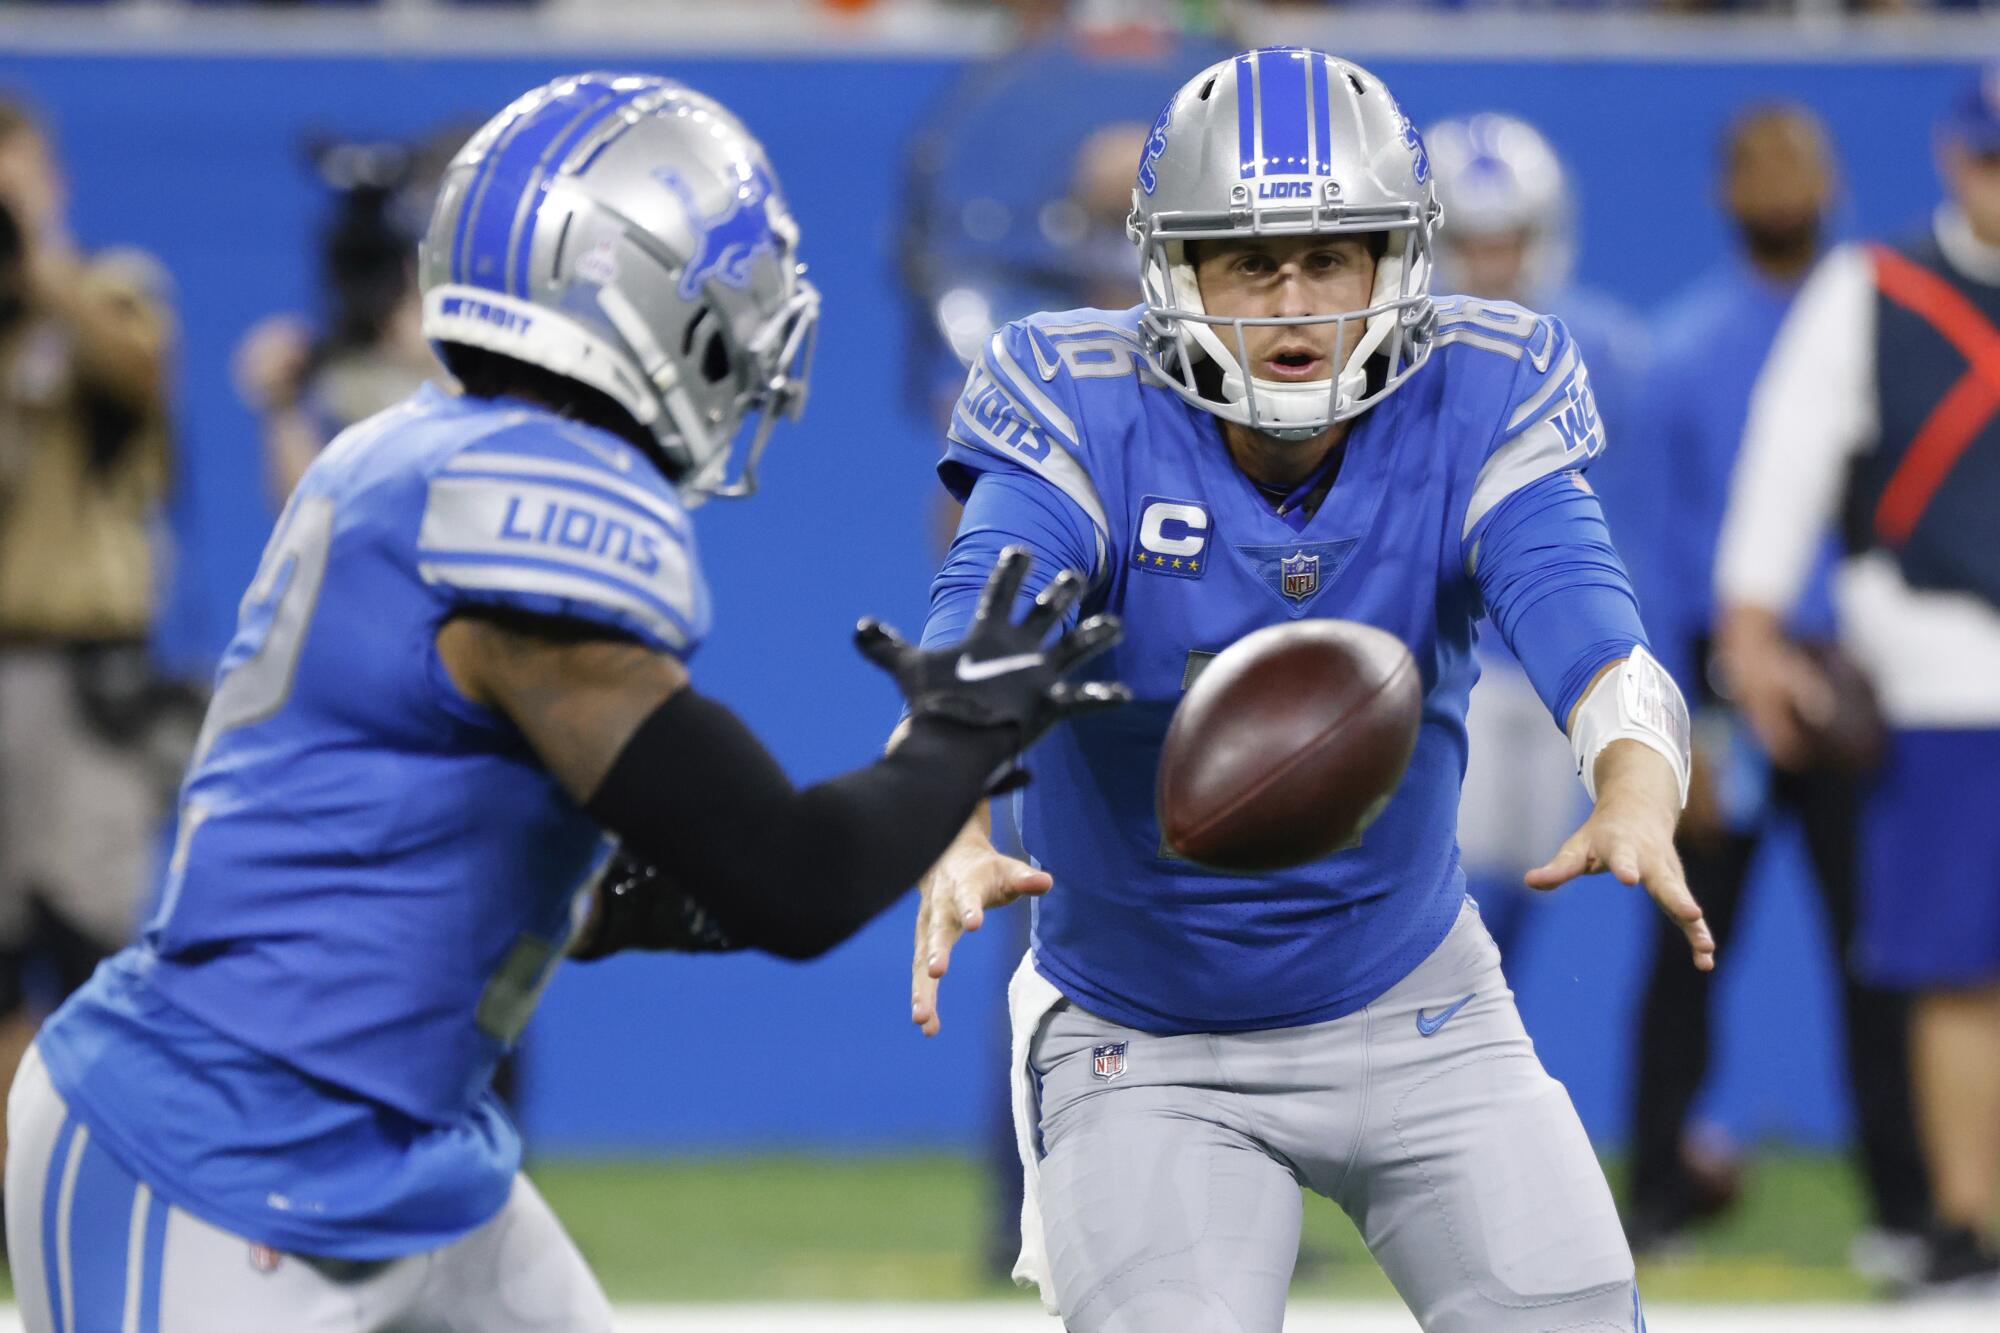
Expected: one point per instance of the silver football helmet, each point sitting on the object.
(1284, 141)
(1496, 176)
(625, 231)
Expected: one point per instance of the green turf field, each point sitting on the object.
(896, 1228)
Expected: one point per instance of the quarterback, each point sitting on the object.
(1291, 425)
(461, 662)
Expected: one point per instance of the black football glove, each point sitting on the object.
(633, 906)
(1002, 673)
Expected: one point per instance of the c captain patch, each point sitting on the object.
(1172, 538)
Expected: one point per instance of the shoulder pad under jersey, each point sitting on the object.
(556, 518)
(1523, 373)
(1024, 407)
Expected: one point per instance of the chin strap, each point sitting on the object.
(1635, 701)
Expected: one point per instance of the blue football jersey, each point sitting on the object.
(1185, 548)
(374, 876)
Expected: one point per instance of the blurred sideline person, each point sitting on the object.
(83, 470)
(1509, 235)
(1875, 416)
(1291, 425)
(308, 380)
(459, 665)
(1777, 183)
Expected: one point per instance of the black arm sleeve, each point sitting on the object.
(787, 871)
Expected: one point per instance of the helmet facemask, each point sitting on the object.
(771, 387)
(1393, 329)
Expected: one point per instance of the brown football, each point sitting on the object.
(1287, 744)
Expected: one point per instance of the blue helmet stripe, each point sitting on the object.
(513, 166)
(1281, 91)
(1246, 114)
(479, 189)
(522, 239)
(1322, 145)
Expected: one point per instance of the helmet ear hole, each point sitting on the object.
(715, 359)
(693, 326)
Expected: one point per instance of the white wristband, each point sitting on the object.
(1635, 701)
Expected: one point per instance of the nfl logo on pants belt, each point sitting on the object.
(1108, 1062)
(1298, 575)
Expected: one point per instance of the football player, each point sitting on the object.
(461, 661)
(1289, 426)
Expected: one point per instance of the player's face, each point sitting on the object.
(1288, 277)
(1974, 179)
(1493, 267)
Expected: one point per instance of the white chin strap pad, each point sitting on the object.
(1635, 701)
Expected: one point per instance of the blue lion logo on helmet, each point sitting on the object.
(1156, 144)
(727, 244)
(1420, 157)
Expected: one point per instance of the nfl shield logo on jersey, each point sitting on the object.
(1108, 1062)
(1298, 575)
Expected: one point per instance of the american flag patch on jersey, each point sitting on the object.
(1108, 1062)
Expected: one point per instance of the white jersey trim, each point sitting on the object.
(1038, 403)
(486, 460)
(1058, 466)
(523, 530)
(555, 583)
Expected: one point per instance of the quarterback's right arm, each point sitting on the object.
(1004, 509)
(1009, 460)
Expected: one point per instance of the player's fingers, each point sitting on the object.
(1024, 881)
(880, 644)
(1054, 603)
(1573, 858)
(923, 988)
(972, 898)
(996, 600)
(946, 927)
(1703, 944)
(1623, 860)
(1084, 642)
(923, 1001)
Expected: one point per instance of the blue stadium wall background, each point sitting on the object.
(195, 158)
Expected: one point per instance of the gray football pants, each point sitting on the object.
(1170, 1190)
(94, 1250)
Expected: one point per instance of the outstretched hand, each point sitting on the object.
(953, 898)
(1631, 834)
(1004, 673)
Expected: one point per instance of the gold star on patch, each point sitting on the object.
(1194, 564)
(1177, 562)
